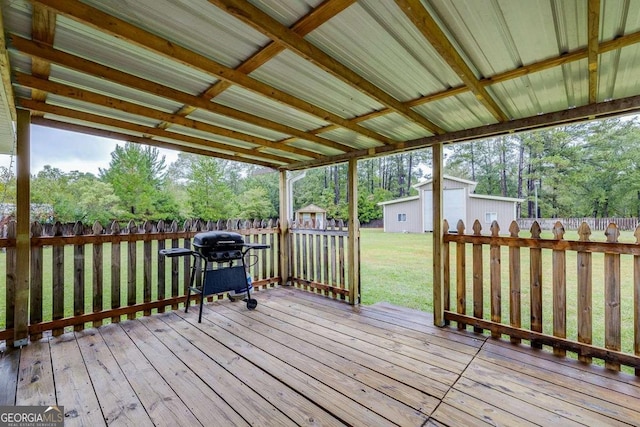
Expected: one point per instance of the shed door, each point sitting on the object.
(455, 208)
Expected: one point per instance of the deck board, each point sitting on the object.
(302, 359)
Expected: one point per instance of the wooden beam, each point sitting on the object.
(48, 53)
(353, 240)
(424, 22)
(318, 16)
(593, 32)
(206, 145)
(142, 140)
(284, 244)
(90, 16)
(584, 113)
(23, 223)
(438, 235)
(140, 110)
(264, 23)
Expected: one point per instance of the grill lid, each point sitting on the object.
(216, 239)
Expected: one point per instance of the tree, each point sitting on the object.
(209, 196)
(136, 174)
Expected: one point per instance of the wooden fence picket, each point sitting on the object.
(612, 333)
(35, 299)
(495, 278)
(162, 266)
(461, 276)
(147, 259)
(478, 276)
(636, 300)
(447, 270)
(132, 267)
(116, 297)
(57, 278)
(535, 283)
(78, 276)
(515, 283)
(585, 292)
(97, 274)
(175, 266)
(559, 267)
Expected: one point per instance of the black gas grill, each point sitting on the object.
(218, 266)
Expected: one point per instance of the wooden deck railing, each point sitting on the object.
(590, 290)
(319, 258)
(81, 275)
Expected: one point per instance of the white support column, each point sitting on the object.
(354, 234)
(438, 237)
(23, 222)
(285, 202)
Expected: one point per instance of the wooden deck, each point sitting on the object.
(301, 359)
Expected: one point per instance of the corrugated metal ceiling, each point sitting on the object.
(297, 83)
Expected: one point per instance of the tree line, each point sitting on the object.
(590, 169)
(582, 170)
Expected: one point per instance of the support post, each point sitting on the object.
(23, 222)
(438, 237)
(354, 234)
(285, 267)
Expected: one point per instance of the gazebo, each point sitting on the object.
(292, 85)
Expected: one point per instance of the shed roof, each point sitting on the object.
(298, 83)
(311, 209)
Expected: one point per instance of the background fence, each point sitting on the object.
(595, 224)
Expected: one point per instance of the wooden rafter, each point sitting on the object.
(577, 55)
(305, 25)
(425, 23)
(106, 23)
(43, 29)
(38, 106)
(262, 22)
(139, 110)
(142, 140)
(318, 16)
(37, 50)
(593, 32)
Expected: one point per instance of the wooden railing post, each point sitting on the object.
(496, 279)
(515, 282)
(461, 275)
(585, 292)
(559, 290)
(478, 276)
(612, 320)
(535, 277)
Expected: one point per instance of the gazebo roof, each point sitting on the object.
(299, 83)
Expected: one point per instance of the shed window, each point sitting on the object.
(489, 217)
(402, 217)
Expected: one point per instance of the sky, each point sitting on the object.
(69, 151)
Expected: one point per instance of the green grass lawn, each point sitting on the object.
(396, 268)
